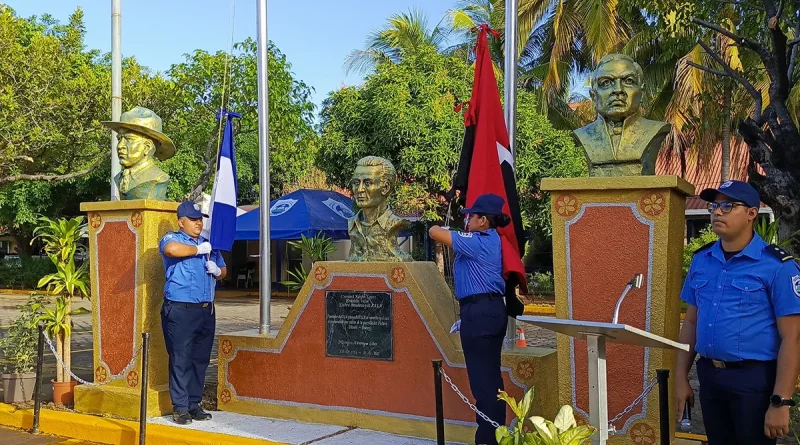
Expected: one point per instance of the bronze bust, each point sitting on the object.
(374, 229)
(620, 142)
(140, 143)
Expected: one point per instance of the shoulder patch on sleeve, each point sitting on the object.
(778, 252)
(796, 285)
(465, 234)
(705, 247)
(168, 236)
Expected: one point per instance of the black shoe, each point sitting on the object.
(199, 414)
(182, 418)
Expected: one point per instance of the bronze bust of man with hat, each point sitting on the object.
(141, 142)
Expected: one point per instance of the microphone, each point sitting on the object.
(636, 282)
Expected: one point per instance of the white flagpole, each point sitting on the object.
(265, 272)
(510, 93)
(116, 87)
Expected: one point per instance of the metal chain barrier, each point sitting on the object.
(111, 378)
(465, 400)
(637, 401)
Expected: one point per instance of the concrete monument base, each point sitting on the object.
(356, 350)
(127, 277)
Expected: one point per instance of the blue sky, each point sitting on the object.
(315, 35)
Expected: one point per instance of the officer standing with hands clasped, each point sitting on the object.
(187, 316)
(479, 288)
(743, 320)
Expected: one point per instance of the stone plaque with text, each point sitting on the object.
(358, 325)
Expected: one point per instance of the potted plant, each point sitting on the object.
(60, 239)
(317, 248)
(536, 430)
(19, 350)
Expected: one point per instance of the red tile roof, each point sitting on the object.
(708, 172)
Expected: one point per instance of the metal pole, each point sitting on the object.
(265, 280)
(598, 388)
(663, 404)
(437, 389)
(143, 401)
(37, 387)
(116, 87)
(510, 82)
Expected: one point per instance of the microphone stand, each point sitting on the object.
(636, 282)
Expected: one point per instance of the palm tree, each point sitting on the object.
(404, 32)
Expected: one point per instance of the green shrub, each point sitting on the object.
(24, 272)
(541, 283)
(706, 236)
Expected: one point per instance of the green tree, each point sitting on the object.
(405, 33)
(201, 87)
(404, 112)
(49, 100)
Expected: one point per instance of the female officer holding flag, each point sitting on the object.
(479, 288)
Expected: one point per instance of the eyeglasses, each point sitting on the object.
(725, 206)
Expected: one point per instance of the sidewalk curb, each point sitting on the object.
(115, 432)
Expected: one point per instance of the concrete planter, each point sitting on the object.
(18, 388)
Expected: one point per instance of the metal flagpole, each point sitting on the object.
(116, 87)
(265, 273)
(510, 82)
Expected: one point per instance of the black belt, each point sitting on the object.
(190, 305)
(478, 297)
(737, 365)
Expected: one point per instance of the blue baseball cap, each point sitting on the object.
(737, 190)
(488, 204)
(190, 210)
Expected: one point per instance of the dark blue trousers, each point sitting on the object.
(483, 328)
(189, 336)
(734, 402)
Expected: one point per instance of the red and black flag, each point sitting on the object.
(487, 166)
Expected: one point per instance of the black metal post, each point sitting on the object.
(437, 388)
(37, 387)
(663, 404)
(143, 402)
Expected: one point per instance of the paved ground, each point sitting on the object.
(16, 437)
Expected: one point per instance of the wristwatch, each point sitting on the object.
(778, 401)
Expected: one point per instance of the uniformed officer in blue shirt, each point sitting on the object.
(743, 320)
(187, 316)
(479, 286)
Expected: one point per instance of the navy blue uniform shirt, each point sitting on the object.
(187, 278)
(738, 301)
(478, 267)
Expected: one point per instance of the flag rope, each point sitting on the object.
(223, 103)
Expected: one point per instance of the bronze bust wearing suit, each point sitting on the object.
(621, 142)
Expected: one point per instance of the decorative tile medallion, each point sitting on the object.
(567, 205)
(320, 273)
(398, 275)
(643, 434)
(226, 347)
(136, 219)
(133, 379)
(524, 371)
(225, 396)
(652, 204)
(95, 220)
(100, 374)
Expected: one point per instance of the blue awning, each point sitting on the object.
(304, 212)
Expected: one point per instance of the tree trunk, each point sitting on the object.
(726, 132)
(439, 257)
(67, 356)
(23, 243)
(60, 353)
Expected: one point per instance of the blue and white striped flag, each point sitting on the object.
(222, 210)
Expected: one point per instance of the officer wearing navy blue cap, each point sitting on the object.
(479, 286)
(187, 315)
(743, 320)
